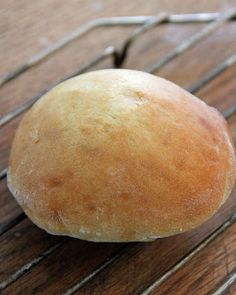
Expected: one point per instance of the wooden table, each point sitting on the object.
(33, 262)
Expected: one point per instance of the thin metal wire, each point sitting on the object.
(61, 43)
(230, 61)
(152, 22)
(193, 18)
(97, 23)
(3, 173)
(188, 43)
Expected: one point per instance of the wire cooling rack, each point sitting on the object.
(118, 56)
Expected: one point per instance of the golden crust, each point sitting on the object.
(120, 155)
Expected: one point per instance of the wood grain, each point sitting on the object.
(77, 259)
(210, 266)
(16, 248)
(40, 23)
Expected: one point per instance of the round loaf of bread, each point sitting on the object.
(121, 155)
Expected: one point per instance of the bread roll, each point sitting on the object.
(121, 155)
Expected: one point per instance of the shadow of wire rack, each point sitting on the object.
(143, 23)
